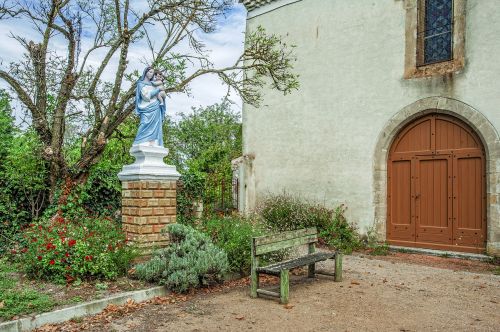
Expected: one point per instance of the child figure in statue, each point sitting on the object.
(159, 81)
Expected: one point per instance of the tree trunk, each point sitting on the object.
(56, 174)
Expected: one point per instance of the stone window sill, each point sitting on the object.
(435, 69)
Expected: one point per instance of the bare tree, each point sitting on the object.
(57, 87)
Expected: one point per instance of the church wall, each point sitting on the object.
(319, 142)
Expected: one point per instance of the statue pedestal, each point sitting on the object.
(148, 197)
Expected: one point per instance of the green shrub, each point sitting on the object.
(234, 235)
(193, 184)
(191, 260)
(284, 212)
(23, 186)
(376, 247)
(339, 233)
(63, 250)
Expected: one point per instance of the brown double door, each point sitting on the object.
(436, 191)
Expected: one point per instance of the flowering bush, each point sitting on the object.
(283, 212)
(64, 250)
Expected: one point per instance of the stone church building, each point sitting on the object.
(397, 116)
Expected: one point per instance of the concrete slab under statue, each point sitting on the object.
(148, 165)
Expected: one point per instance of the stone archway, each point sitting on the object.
(478, 122)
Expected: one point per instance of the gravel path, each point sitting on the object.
(375, 295)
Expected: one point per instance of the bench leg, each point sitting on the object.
(338, 267)
(254, 283)
(311, 270)
(284, 286)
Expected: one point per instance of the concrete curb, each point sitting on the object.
(433, 252)
(84, 309)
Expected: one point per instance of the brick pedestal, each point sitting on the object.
(147, 207)
(148, 198)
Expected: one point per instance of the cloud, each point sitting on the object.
(225, 45)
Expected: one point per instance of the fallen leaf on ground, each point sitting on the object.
(354, 282)
(288, 306)
(240, 317)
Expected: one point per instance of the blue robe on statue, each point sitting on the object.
(150, 112)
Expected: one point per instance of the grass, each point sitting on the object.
(101, 286)
(380, 250)
(13, 301)
(375, 247)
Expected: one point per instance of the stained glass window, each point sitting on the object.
(437, 31)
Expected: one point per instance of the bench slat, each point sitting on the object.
(267, 292)
(270, 247)
(266, 239)
(274, 269)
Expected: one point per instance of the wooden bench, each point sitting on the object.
(265, 244)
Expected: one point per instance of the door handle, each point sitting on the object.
(417, 195)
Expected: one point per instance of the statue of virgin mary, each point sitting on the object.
(148, 108)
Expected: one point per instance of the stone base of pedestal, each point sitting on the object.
(148, 198)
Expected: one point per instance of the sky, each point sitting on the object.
(225, 45)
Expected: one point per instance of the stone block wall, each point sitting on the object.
(148, 206)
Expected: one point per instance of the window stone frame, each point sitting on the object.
(411, 43)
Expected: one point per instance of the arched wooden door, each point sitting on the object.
(436, 186)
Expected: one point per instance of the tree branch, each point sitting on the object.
(39, 118)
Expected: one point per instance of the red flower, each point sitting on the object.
(50, 246)
(13, 251)
(39, 258)
(71, 242)
(52, 262)
(66, 254)
(34, 239)
(110, 247)
(88, 258)
(24, 250)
